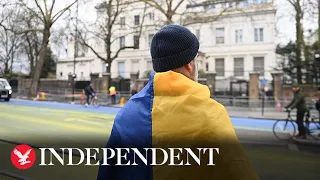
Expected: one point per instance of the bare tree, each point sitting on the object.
(314, 6)
(43, 11)
(9, 42)
(173, 8)
(299, 11)
(108, 26)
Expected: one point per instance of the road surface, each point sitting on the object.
(64, 125)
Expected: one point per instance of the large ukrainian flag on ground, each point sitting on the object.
(174, 111)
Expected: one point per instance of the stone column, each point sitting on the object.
(133, 81)
(211, 82)
(105, 81)
(254, 86)
(70, 80)
(95, 81)
(277, 85)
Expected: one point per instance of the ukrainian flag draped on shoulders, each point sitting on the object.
(174, 111)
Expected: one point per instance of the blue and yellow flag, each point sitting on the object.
(174, 111)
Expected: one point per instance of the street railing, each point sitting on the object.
(66, 95)
(234, 102)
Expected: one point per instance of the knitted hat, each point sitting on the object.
(172, 47)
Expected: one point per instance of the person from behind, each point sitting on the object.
(89, 93)
(133, 89)
(174, 110)
(299, 103)
(317, 104)
(113, 93)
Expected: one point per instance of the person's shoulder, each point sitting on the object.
(213, 109)
(216, 105)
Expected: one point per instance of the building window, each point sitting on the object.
(149, 66)
(122, 22)
(150, 39)
(258, 65)
(198, 34)
(61, 74)
(121, 69)
(220, 67)
(105, 67)
(238, 67)
(122, 42)
(136, 41)
(135, 66)
(259, 1)
(244, 3)
(81, 75)
(258, 34)
(136, 20)
(238, 36)
(151, 16)
(207, 66)
(219, 35)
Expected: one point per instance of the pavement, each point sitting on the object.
(64, 125)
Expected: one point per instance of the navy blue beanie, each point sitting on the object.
(172, 47)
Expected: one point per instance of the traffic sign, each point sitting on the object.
(263, 82)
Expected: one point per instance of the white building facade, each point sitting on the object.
(240, 41)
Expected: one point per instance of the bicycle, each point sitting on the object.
(287, 126)
(313, 127)
(94, 101)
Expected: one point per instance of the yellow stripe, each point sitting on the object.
(54, 123)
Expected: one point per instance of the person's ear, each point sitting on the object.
(188, 67)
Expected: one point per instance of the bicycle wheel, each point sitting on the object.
(284, 130)
(95, 103)
(314, 130)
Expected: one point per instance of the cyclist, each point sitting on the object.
(317, 105)
(299, 103)
(89, 92)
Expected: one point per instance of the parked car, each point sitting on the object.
(5, 90)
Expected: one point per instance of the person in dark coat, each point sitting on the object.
(317, 105)
(299, 103)
(89, 92)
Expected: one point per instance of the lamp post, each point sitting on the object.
(316, 66)
(75, 53)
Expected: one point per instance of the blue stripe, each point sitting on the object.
(132, 129)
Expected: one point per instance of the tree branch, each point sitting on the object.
(83, 42)
(61, 12)
(178, 5)
(154, 4)
(41, 11)
(51, 8)
(119, 50)
(32, 11)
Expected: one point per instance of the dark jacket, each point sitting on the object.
(298, 102)
(318, 105)
(88, 90)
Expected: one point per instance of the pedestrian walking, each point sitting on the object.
(113, 93)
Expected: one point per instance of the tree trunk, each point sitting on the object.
(11, 64)
(39, 64)
(299, 40)
(6, 67)
(169, 19)
(109, 68)
(318, 24)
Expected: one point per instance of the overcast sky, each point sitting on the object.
(285, 20)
